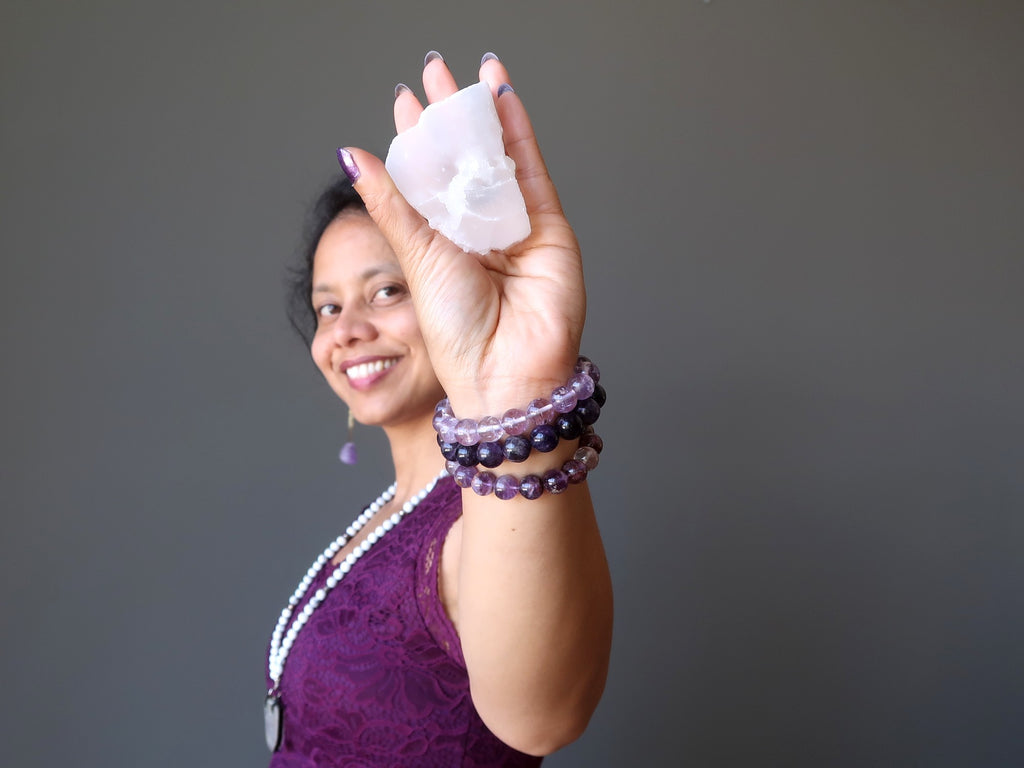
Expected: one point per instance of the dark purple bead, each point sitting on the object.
(490, 454)
(506, 487)
(592, 440)
(466, 455)
(464, 476)
(516, 448)
(544, 438)
(483, 483)
(588, 411)
(447, 449)
(599, 395)
(555, 481)
(569, 426)
(575, 470)
(531, 487)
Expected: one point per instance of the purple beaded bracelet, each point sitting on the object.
(505, 487)
(582, 385)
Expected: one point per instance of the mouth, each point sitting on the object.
(368, 371)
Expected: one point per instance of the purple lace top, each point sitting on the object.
(376, 677)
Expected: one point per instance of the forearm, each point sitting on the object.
(535, 613)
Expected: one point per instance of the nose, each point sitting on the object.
(353, 325)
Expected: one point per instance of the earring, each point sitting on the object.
(348, 453)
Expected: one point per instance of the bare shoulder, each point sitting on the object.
(448, 572)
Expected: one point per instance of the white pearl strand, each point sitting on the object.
(281, 642)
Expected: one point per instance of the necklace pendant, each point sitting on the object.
(273, 721)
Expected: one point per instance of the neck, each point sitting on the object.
(416, 456)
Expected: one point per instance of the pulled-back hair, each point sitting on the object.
(338, 196)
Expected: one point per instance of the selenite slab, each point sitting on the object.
(452, 168)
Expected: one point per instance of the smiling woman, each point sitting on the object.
(464, 618)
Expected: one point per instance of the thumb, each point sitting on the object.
(406, 231)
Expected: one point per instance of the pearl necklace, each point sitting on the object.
(281, 642)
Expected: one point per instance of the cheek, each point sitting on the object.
(320, 351)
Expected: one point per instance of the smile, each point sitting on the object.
(366, 370)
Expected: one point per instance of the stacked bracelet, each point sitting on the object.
(506, 487)
(569, 414)
(582, 396)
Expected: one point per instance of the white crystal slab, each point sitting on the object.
(452, 168)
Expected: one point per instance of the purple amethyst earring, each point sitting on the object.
(348, 454)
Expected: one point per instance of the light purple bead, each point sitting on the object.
(466, 432)
(490, 430)
(563, 399)
(464, 476)
(582, 385)
(443, 407)
(447, 430)
(575, 470)
(540, 411)
(450, 466)
(588, 456)
(506, 487)
(483, 483)
(515, 422)
(555, 481)
(348, 454)
(586, 365)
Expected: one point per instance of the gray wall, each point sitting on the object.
(802, 225)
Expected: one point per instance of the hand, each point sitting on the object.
(504, 327)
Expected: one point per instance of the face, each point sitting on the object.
(367, 343)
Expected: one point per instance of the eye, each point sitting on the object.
(388, 293)
(326, 310)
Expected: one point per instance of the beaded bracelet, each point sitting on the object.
(505, 487)
(543, 438)
(582, 386)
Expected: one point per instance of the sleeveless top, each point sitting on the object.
(376, 678)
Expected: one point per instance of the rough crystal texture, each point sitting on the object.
(452, 168)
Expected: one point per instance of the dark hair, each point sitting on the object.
(337, 197)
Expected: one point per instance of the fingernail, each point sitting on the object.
(504, 88)
(488, 57)
(431, 55)
(402, 88)
(348, 164)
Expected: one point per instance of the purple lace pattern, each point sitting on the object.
(376, 678)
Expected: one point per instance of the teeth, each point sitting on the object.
(365, 370)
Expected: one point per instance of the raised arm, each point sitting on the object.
(526, 581)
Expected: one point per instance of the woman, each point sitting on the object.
(445, 627)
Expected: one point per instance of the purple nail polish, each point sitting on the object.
(402, 88)
(431, 55)
(488, 57)
(504, 88)
(348, 164)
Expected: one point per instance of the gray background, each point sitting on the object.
(802, 223)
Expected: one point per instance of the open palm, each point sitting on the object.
(506, 325)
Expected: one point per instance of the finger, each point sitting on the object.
(539, 191)
(405, 230)
(493, 72)
(437, 80)
(407, 108)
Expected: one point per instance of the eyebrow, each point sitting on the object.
(367, 274)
